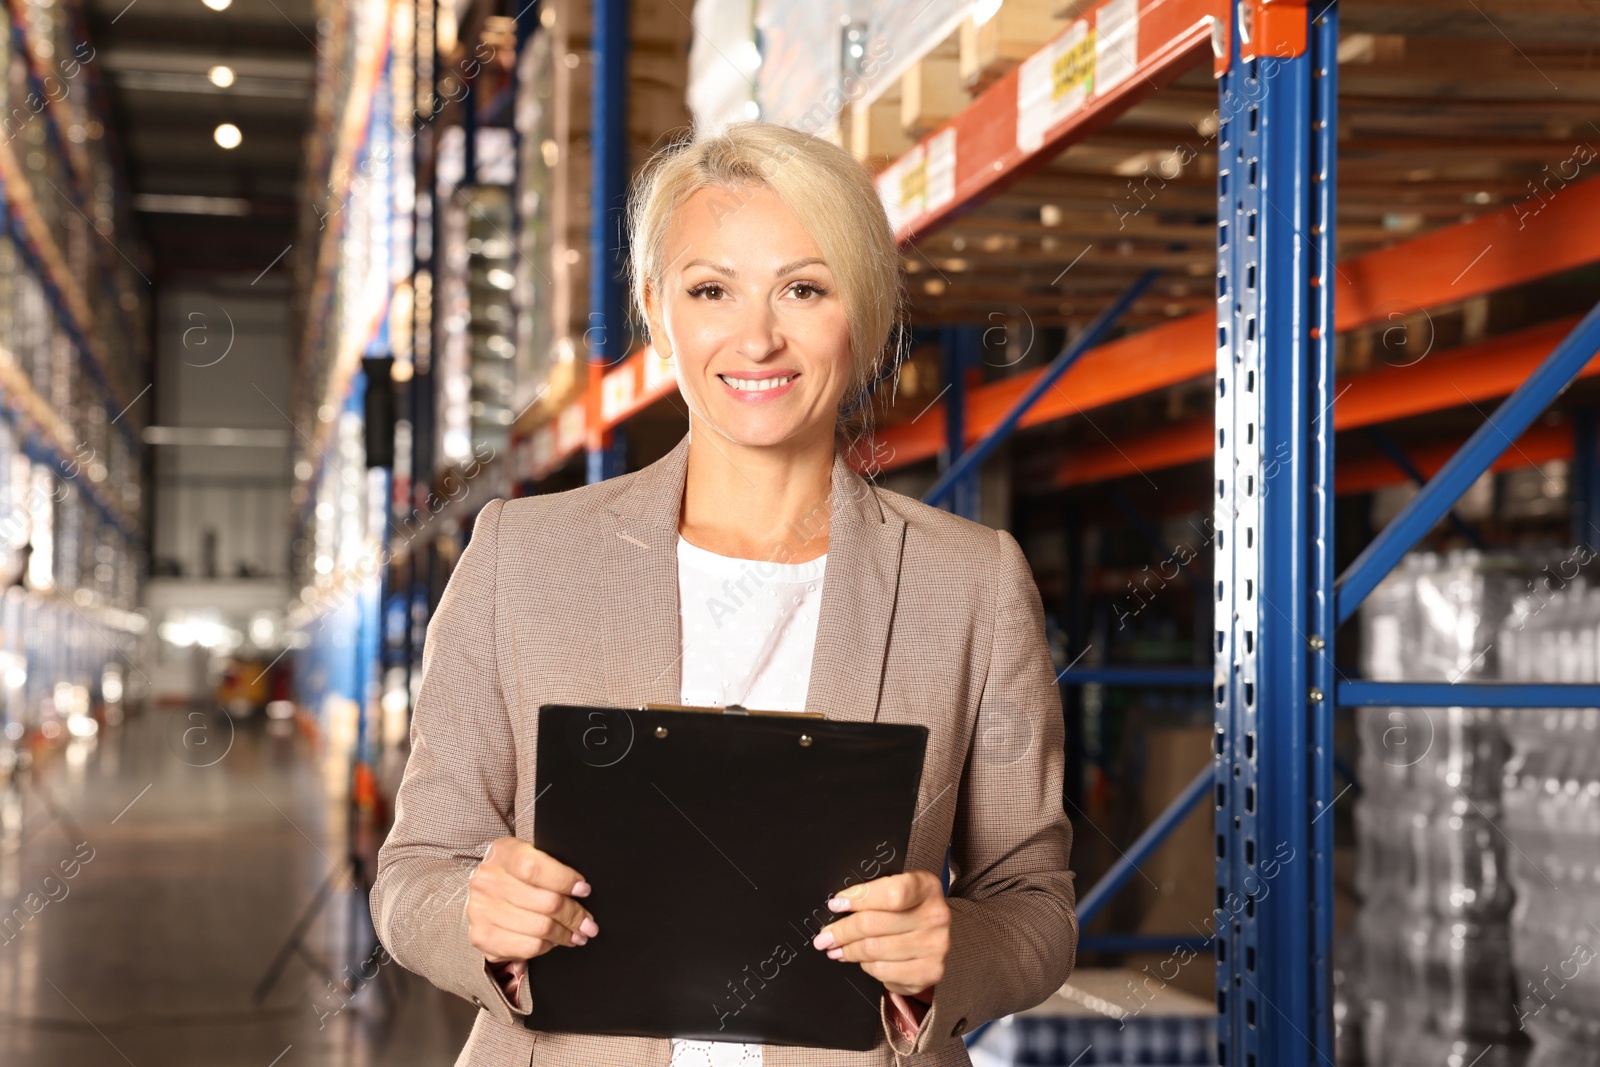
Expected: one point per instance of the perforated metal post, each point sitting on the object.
(1273, 580)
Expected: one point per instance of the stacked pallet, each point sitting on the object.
(554, 115)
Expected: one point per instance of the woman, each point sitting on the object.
(751, 565)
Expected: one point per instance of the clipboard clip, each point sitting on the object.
(731, 709)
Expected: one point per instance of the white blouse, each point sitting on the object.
(748, 629)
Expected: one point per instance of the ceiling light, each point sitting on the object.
(217, 5)
(175, 204)
(220, 76)
(227, 135)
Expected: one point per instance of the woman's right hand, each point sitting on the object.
(520, 903)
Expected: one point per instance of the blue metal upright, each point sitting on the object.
(1585, 480)
(1273, 769)
(607, 334)
(959, 347)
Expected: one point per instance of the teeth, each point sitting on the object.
(758, 385)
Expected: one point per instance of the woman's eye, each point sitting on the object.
(807, 287)
(706, 289)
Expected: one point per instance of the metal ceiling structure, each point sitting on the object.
(203, 208)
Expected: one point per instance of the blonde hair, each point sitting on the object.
(831, 194)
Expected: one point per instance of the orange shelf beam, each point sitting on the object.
(617, 395)
(1504, 248)
(1085, 77)
(1540, 444)
(1464, 375)
(633, 385)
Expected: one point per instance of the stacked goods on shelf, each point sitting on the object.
(358, 187)
(355, 300)
(61, 185)
(97, 496)
(1552, 806)
(540, 363)
(1104, 1016)
(1435, 919)
(803, 49)
(357, 231)
(554, 117)
(874, 74)
(74, 318)
(476, 349)
(725, 63)
(348, 527)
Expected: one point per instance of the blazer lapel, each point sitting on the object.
(858, 594)
(643, 649)
(639, 577)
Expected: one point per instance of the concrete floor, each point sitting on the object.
(158, 871)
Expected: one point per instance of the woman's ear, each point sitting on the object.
(653, 323)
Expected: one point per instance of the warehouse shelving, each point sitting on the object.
(1275, 195)
(596, 114)
(337, 334)
(358, 247)
(70, 131)
(76, 310)
(1410, 275)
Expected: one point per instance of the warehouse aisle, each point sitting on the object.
(156, 876)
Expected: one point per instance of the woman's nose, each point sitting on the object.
(758, 331)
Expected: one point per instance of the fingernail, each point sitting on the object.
(589, 926)
(579, 939)
(838, 903)
(581, 889)
(836, 953)
(823, 940)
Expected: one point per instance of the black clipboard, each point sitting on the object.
(712, 839)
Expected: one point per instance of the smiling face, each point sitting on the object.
(753, 319)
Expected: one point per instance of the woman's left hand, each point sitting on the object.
(898, 929)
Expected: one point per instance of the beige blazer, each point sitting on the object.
(573, 598)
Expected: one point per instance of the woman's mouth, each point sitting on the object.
(758, 387)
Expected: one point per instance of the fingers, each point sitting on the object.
(498, 946)
(528, 864)
(892, 892)
(573, 917)
(900, 920)
(905, 938)
(893, 904)
(532, 924)
(853, 929)
(519, 903)
(498, 885)
(502, 933)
